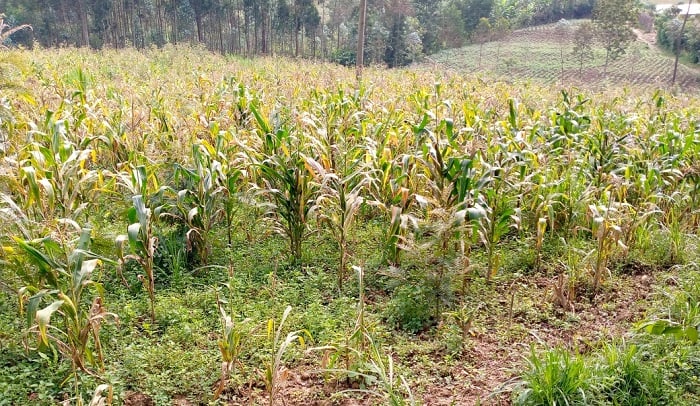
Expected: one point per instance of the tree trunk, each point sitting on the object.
(323, 32)
(263, 31)
(678, 44)
(219, 20)
(175, 30)
(159, 19)
(297, 28)
(246, 28)
(481, 47)
(562, 66)
(82, 14)
(607, 59)
(198, 21)
(361, 40)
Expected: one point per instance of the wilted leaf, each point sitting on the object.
(43, 319)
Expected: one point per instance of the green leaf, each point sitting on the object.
(46, 264)
(657, 327)
(131, 215)
(33, 304)
(262, 123)
(85, 273)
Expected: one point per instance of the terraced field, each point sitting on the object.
(535, 54)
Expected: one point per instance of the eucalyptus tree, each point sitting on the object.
(677, 45)
(361, 39)
(613, 20)
(583, 44)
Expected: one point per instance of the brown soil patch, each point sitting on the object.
(138, 399)
(648, 38)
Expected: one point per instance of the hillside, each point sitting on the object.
(535, 54)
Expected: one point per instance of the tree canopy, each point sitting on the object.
(398, 31)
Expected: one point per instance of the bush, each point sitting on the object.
(409, 309)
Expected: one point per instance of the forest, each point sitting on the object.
(397, 30)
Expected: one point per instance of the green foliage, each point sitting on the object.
(288, 176)
(668, 34)
(171, 259)
(683, 316)
(6, 31)
(583, 44)
(141, 243)
(380, 369)
(198, 203)
(67, 277)
(612, 18)
(555, 378)
(235, 335)
(275, 372)
(629, 379)
(410, 309)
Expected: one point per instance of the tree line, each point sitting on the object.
(679, 36)
(397, 31)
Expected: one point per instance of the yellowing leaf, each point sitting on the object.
(43, 319)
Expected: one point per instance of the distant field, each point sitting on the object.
(535, 54)
(662, 2)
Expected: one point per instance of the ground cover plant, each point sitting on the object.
(185, 228)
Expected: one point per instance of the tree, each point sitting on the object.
(428, 16)
(563, 32)
(501, 28)
(473, 11)
(678, 44)
(612, 19)
(583, 44)
(482, 34)
(83, 16)
(361, 39)
(200, 8)
(398, 50)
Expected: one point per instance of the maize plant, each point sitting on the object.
(233, 338)
(288, 185)
(608, 236)
(61, 291)
(351, 353)
(501, 215)
(57, 175)
(275, 372)
(199, 205)
(339, 201)
(141, 243)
